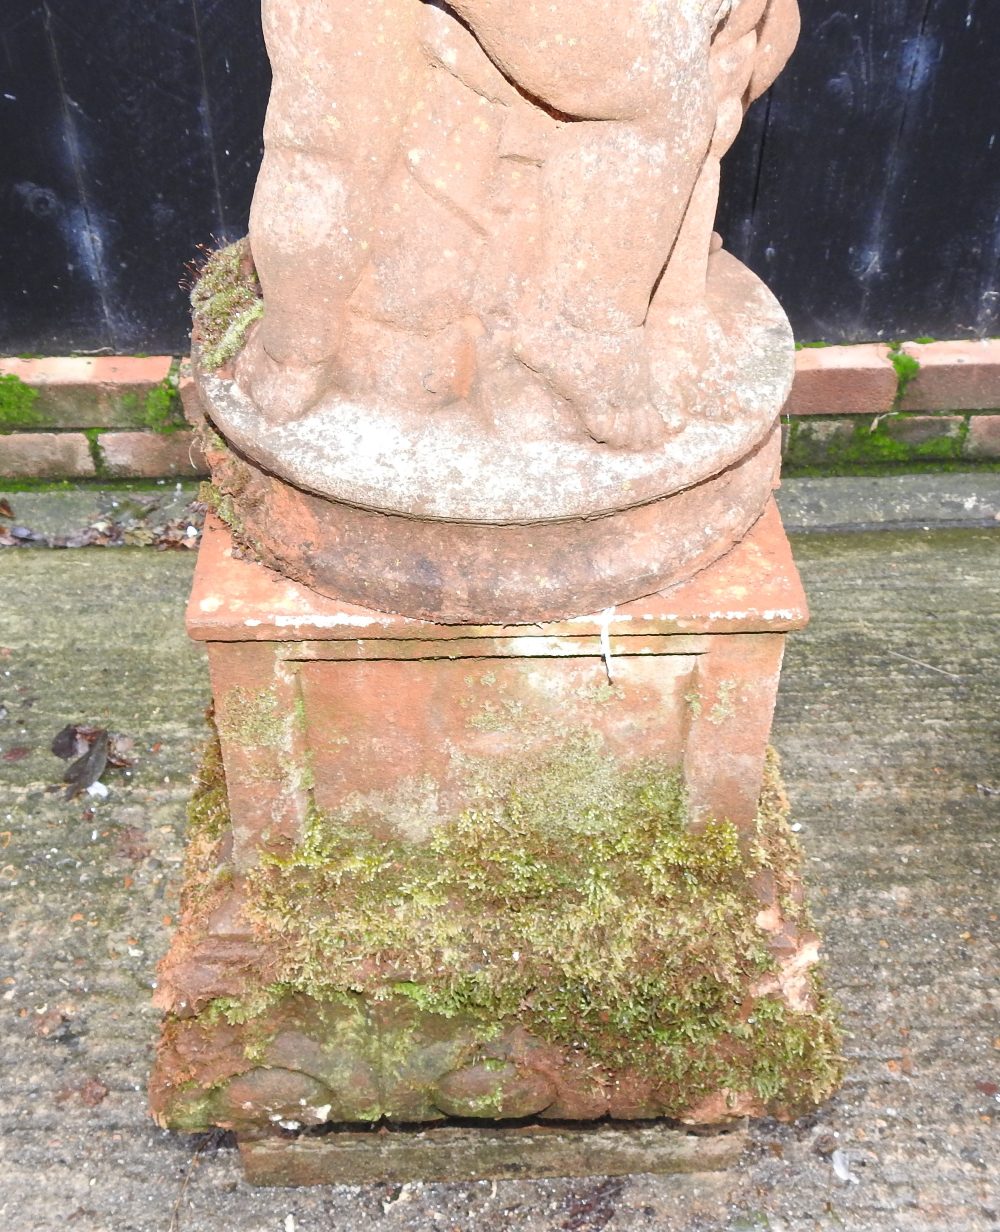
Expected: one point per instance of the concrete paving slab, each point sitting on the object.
(970, 499)
(884, 502)
(888, 723)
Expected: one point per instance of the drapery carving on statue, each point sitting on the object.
(499, 202)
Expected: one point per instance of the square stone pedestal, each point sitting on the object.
(499, 873)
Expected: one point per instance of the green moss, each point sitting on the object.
(226, 300)
(17, 404)
(573, 899)
(208, 810)
(93, 436)
(223, 505)
(907, 368)
(869, 444)
(162, 409)
(192, 1107)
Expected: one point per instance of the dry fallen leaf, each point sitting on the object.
(87, 769)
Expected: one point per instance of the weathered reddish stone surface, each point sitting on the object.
(46, 455)
(470, 572)
(471, 225)
(383, 711)
(705, 701)
(498, 366)
(490, 857)
(847, 380)
(403, 729)
(753, 588)
(187, 390)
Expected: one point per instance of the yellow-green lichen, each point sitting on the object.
(723, 708)
(250, 717)
(222, 505)
(572, 898)
(226, 300)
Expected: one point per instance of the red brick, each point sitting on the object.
(45, 455)
(149, 455)
(82, 392)
(843, 380)
(983, 440)
(922, 429)
(955, 376)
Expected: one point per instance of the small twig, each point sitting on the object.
(195, 1159)
(930, 666)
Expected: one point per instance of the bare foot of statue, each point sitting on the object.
(283, 392)
(606, 378)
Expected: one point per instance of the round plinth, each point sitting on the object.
(447, 518)
(468, 573)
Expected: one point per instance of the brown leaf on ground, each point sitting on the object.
(52, 1024)
(132, 844)
(592, 1211)
(16, 754)
(88, 768)
(90, 1093)
(70, 742)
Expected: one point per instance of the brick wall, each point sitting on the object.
(852, 407)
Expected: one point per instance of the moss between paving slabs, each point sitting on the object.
(226, 300)
(574, 900)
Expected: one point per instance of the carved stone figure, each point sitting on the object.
(462, 850)
(492, 293)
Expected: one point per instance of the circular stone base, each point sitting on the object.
(468, 573)
(446, 517)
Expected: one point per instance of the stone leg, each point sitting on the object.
(315, 209)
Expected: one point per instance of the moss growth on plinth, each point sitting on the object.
(208, 811)
(226, 300)
(573, 899)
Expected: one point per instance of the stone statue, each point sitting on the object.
(462, 850)
(492, 293)
(498, 199)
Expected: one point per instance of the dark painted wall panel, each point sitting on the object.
(877, 198)
(865, 189)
